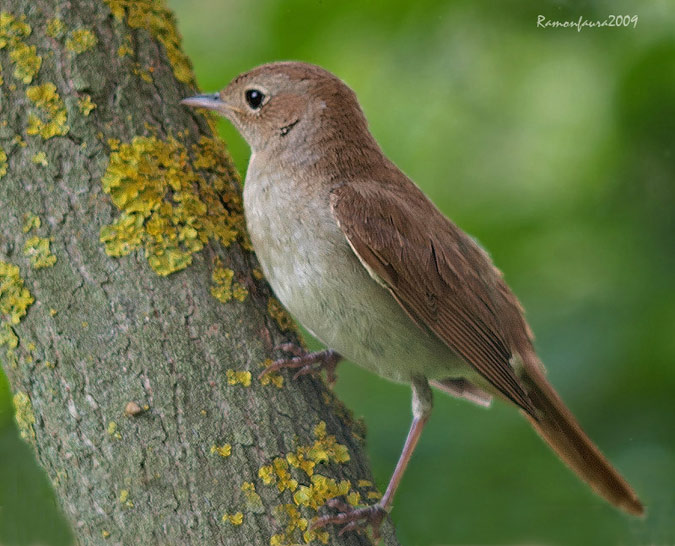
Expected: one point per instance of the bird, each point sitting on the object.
(366, 262)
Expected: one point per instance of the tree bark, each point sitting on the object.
(136, 325)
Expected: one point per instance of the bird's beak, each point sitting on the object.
(212, 101)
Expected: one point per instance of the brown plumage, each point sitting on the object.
(449, 286)
(558, 427)
(436, 273)
(366, 262)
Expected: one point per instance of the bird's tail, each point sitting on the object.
(558, 427)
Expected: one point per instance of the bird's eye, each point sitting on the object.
(254, 98)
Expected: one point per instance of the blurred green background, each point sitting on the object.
(556, 149)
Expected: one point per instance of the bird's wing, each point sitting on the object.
(437, 273)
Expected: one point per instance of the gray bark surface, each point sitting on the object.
(107, 331)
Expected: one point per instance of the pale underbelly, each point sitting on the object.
(320, 280)
(346, 309)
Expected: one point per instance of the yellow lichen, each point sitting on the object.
(234, 519)
(12, 28)
(238, 377)
(239, 291)
(294, 525)
(325, 449)
(223, 289)
(224, 451)
(53, 110)
(8, 337)
(23, 413)
(27, 62)
(257, 274)
(298, 459)
(142, 73)
(273, 378)
(278, 313)
(316, 534)
(321, 490)
(40, 158)
(125, 48)
(81, 40)
(112, 430)
(353, 498)
(55, 27)
(12, 32)
(37, 249)
(3, 162)
(159, 21)
(278, 473)
(168, 208)
(313, 494)
(293, 521)
(14, 302)
(19, 141)
(85, 104)
(14, 297)
(253, 500)
(104, 533)
(267, 475)
(124, 498)
(222, 282)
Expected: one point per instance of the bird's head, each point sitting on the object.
(284, 105)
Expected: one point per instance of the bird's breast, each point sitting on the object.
(315, 274)
(302, 252)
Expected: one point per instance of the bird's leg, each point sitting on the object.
(356, 518)
(306, 362)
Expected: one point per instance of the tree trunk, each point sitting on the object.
(135, 368)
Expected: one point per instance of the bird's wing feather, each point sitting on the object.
(437, 273)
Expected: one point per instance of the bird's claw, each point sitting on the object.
(295, 350)
(353, 519)
(306, 362)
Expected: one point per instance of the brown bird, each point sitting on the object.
(367, 263)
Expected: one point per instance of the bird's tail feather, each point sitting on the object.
(558, 427)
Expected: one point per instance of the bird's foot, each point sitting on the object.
(353, 519)
(308, 363)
